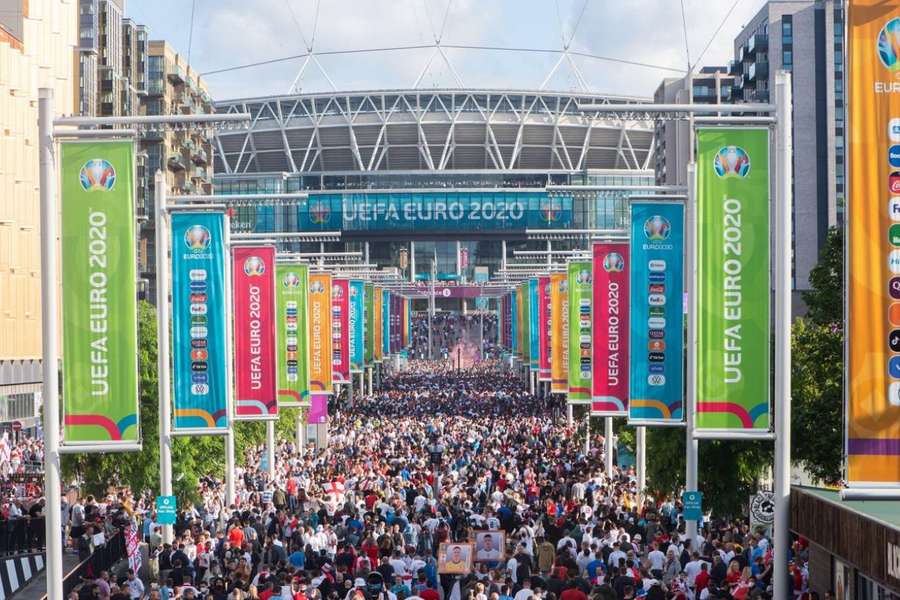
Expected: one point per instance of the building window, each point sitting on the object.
(787, 30)
(787, 59)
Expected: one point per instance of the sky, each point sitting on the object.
(229, 33)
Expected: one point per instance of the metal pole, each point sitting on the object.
(49, 348)
(350, 391)
(587, 431)
(481, 319)
(569, 416)
(371, 387)
(412, 261)
(608, 443)
(300, 437)
(692, 448)
(784, 207)
(640, 439)
(431, 305)
(229, 466)
(270, 448)
(162, 344)
(229, 370)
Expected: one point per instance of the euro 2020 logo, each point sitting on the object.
(336, 291)
(291, 280)
(97, 175)
(657, 228)
(254, 266)
(316, 287)
(889, 45)
(197, 238)
(732, 161)
(583, 277)
(613, 263)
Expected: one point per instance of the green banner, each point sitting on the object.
(526, 326)
(369, 320)
(733, 279)
(580, 328)
(291, 283)
(99, 288)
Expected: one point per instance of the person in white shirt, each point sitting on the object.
(525, 593)
(657, 560)
(613, 561)
(692, 569)
(135, 586)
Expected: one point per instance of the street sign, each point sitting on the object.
(166, 506)
(693, 506)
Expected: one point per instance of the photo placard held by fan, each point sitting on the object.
(762, 509)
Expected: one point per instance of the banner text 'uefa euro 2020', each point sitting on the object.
(435, 211)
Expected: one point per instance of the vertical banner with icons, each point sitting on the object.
(253, 299)
(385, 323)
(340, 330)
(580, 327)
(514, 329)
(534, 324)
(200, 380)
(544, 332)
(656, 336)
(357, 326)
(99, 295)
(291, 285)
(368, 323)
(404, 312)
(609, 385)
(559, 323)
(733, 330)
(320, 369)
(377, 324)
(521, 340)
(872, 335)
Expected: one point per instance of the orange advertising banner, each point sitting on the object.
(379, 329)
(873, 217)
(559, 317)
(320, 381)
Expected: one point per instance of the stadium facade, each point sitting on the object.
(463, 175)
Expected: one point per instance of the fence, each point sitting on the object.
(21, 535)
(102, 559)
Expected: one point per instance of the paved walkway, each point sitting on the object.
(37, 589)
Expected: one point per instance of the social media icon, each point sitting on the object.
(656, 265)
(660, 299)
(656, 357)
(657, 334)
(656, 322)
(894, 262)
(199, 389)
(894, 130)
(894, 340)
(894, 156)
(894, 393)
(199, 332)
(197, 274)
(894, 367)
(656, 380)
(894, 182)
(894, 314)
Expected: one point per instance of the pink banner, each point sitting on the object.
(318, 409)
(609, 384)
(340, 330)
(544, 367)
(254, 333)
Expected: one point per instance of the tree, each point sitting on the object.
(825, 298)
(192, 457)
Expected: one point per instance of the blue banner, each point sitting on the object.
(385, 322)
(657, 329)
(199, 351)
(514, 316)
(534, 320)
(357, 323)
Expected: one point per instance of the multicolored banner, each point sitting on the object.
(522, 322)
(357, 326)
(514, 328)
(385, 323)
(544, 329)
(609, 385)
(377, 324)
(733, 332)
(99, 294)
(580, 327)
(559, 325)
(320, 369)
(292, 284)
(340, 330)
(656, 356)
(534, 324)
(369, 323)
(253, 274)
(872, 414)
(199, 298)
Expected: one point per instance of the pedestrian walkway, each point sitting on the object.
(37, 588)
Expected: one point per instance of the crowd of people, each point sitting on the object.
(443, 485)
(466, 339)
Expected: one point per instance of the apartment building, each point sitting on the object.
(37, 39)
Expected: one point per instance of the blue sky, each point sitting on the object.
(234, 32)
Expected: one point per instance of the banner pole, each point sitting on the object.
(299, 426)
(164, 382)
(692, 445)
(640, 455)
(270, 448)
(784, 207)
(49, 347)
(608, 444)
(229, 364)
(587, 431)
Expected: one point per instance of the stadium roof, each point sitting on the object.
(437, 130)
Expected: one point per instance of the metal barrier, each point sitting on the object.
(23, 535)
(102, 559)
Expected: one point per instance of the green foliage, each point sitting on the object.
(825, 298)
(192, 457)
(817, 398)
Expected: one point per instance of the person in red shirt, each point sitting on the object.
(572, 592)
(236, 537)
(702, 579)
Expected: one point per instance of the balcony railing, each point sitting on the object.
(176, 162)
(176, 75)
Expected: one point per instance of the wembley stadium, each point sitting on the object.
(470, 178)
